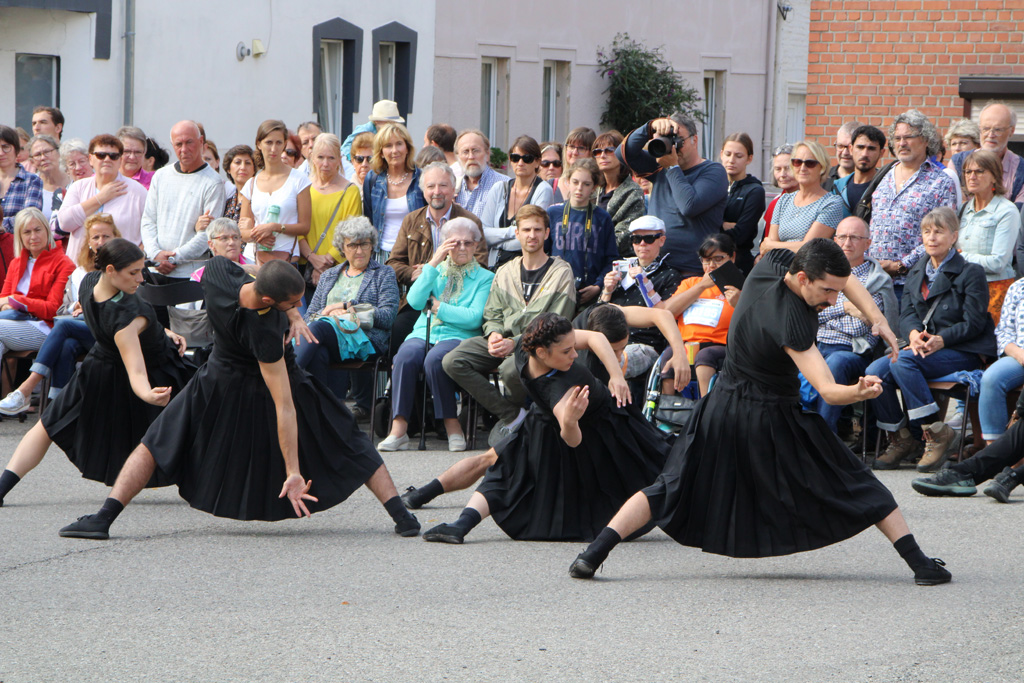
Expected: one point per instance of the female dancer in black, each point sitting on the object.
(122, 385)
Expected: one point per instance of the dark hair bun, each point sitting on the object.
(545, 330)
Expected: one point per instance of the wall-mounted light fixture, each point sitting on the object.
(257, 48)
(241, 51)
(784, 9)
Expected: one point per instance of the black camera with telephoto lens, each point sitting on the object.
(660, 145)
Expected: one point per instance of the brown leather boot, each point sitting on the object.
(936, 449)
(901, 444)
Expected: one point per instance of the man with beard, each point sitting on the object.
(474, 151)
(419, 234)
(866, 149)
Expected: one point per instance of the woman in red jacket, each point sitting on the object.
(34, 287)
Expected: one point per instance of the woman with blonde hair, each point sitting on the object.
(391, 190)
(809, 212)
(334, 199)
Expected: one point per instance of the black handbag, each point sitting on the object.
(673, 411)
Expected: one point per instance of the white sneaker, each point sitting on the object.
(14, 404)
(955, 422)
(456, 443)
(394, 443)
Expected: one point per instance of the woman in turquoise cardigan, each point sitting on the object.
(455, 287)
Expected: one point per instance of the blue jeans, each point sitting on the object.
(911, 374)
(69, 338)
(1000, 378)
(846, 366)
(317, 359)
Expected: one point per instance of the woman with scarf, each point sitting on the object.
(455, 287)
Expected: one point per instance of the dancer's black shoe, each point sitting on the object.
(88, 526)
(410, 526)
(933, 575)
(581, 569)
(445, 533)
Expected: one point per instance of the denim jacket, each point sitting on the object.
(375, 197)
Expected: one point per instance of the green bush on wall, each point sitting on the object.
(642, 85)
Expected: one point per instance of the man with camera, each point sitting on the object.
(688, 192)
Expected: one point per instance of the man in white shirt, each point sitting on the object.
(182, 201)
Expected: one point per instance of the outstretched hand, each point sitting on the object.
(679, 365)
(576, 402)
(298, 329)
(619, 388)
(158, 396)
(883, 330)
(297, 490)
(869, 387)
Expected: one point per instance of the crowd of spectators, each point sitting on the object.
(386, 234)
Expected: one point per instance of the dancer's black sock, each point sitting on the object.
(396, 509)
(8, 480)
(426, 493)
(467, 520)
(597, 552)
(911, 553)
(111, 509)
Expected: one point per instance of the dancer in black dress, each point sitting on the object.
(578, 454)
(135, 366)
(614, 322)
(753, 475)
(241, 436)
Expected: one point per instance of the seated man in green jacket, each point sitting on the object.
(523, 288)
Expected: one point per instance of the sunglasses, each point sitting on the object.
(360, 159)
(525, 158)
(603, 150)
(809, 163)
(551, 162)
(113, 156)
(293, 153)
(646, 239)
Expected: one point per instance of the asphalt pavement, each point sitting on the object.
(180, 595)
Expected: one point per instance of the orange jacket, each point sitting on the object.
(46, 289)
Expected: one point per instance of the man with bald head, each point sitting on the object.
(182, 201)
(844, 334)
(997, 123)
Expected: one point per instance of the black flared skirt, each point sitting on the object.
(218, 440)
(540, 489)
(97, 420)
(754, 475)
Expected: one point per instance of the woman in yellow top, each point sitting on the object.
(334, 199)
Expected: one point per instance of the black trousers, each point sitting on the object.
(1004, 452)
(402, 326)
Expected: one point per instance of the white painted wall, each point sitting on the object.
(791, 53)
(90, 89)
(188, 69)
(706, 34)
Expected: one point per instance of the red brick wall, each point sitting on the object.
(872, 59)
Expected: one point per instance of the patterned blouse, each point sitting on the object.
(896, 214)
(795, 221)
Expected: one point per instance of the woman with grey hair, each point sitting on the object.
(44, 151)
(133, 158)
(359, 280)
(454, 288)
(74, 158)
(963, 136)
(224, 239)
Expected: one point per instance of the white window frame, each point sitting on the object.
(489, 96)
(24, 108)
(386, 54)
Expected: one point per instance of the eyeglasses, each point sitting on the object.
(359, 245)
(40, 155)
(525, 158)
(360, 159)
(897, 139)
(840, 145)
(293, 153)
(714, 260)
(133, 152)
(849, 238)
(974, 171)
(582, 149)
(465, 244)
(597, 151)
(645, 239)
(228, 238)
(471, 152)
(996, 130)
(6, 149)
(113, 156)
(557, 163)
(809, 163)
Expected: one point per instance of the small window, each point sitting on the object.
(708, 143)
(555, 100)
(796, 109)
(331, 62)
(386, 70)
(36, 83)
(488, 96)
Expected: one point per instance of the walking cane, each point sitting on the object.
(423, 397)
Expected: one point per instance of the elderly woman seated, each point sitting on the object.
(454, 287)
(224, 239)
(945, 319)
(333, 312)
